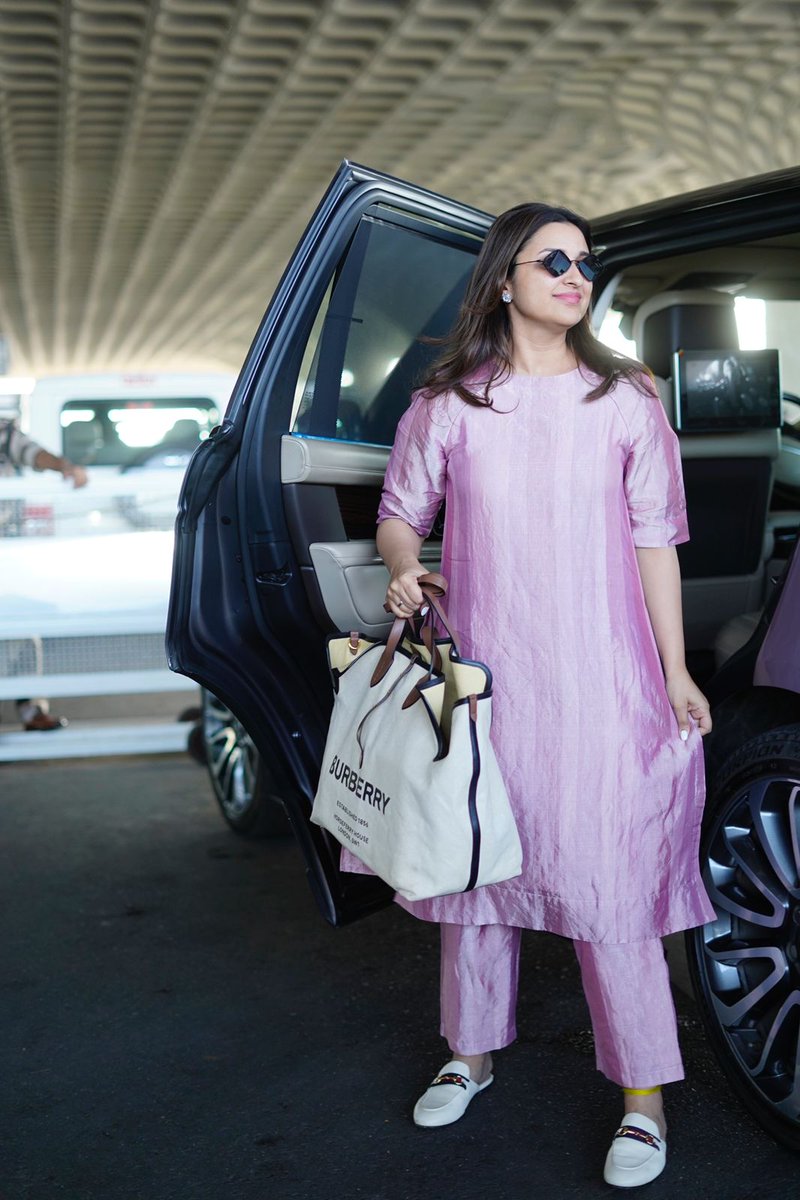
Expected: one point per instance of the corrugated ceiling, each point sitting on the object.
(159, 158)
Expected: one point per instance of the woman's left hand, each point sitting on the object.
(687, 700)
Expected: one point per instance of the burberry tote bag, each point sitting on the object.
(409, 782)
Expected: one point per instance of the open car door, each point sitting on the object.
(275, 536)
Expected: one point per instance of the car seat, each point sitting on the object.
(728, 476)
(82, 440)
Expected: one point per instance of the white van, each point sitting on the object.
(84, 573)
(134, 433)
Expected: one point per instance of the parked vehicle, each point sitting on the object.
(134, 433)
(275, 541)
(85, 578)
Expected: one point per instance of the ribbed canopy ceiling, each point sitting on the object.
(159, 158)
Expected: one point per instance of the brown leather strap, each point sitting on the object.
(428, 635)
(392, 642)
(433, 586)
(444, 621)
(434, 582)
(360, 730)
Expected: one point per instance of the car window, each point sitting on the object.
(615, 332)
(400, 281)
(126, 433)
(781, 321)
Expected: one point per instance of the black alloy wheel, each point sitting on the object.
(242, 782)
(745, 965)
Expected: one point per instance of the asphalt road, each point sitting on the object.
(179, 1022)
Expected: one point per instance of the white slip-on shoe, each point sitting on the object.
(638, 1153)
(448, 1096)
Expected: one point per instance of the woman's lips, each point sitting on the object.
(568, 297)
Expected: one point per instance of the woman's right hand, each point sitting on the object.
(404, 595)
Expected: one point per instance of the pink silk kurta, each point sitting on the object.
(548, 495)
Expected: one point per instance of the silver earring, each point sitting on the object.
(506, 297)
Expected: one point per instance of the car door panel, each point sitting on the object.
(347, 573)
(352, 580)
(324, 460)
(294, 466)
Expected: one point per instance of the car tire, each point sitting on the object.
(745, 965)
(242, 782)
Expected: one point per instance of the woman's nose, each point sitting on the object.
(572, 275)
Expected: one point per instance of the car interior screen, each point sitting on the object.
(726, 390)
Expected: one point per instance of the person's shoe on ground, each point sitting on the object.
(36, 718)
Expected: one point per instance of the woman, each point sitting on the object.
(564, 506)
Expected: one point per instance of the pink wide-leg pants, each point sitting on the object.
(626, 987)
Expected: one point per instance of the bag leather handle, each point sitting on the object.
(383, 699)
(392, 642)
(444, 620)
(433, 582)
(433, 586)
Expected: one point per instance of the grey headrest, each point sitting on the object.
(689, 320)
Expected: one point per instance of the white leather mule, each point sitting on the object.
(638, 1153)
(448, 1096)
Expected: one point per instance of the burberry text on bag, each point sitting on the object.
(361, 788)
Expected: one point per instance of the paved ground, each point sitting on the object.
(180, 1023)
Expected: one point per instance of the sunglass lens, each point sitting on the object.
(556, 262)
(590, 267)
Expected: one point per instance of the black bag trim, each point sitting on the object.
(472, 805)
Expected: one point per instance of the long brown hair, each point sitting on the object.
(477, 351)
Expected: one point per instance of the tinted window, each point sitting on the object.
(397, 284)
(127, 433)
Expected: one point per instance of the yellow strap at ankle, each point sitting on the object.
(642, 1091)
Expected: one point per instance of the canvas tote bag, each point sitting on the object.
(409, 782)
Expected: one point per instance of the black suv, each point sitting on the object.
(275, 542)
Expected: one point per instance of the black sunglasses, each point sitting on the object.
(558, 263)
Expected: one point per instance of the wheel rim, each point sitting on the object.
(750, 955)
(232, 758)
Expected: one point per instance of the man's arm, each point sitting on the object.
(45, 461)
(22, 451)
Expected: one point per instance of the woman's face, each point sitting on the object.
(539, 298)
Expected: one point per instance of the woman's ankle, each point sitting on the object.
(650, 1105)
(480, 1065)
